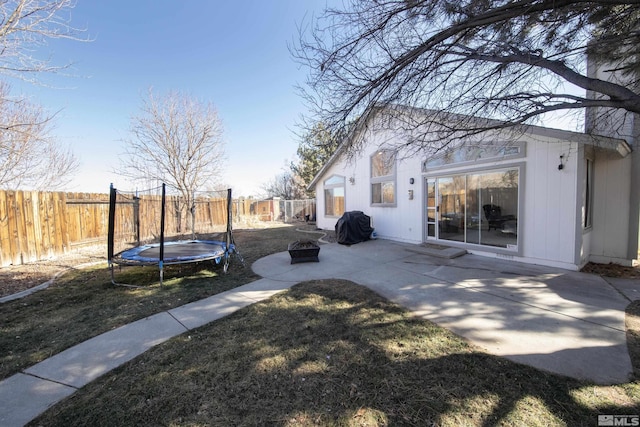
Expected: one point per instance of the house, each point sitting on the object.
(540, 195)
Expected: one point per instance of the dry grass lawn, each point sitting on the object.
(332, 353)
(83, 303)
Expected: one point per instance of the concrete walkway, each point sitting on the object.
(557, 320)
(560, 321)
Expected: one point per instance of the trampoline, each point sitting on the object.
(178, 252)
(136, 218)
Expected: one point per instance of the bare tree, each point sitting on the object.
(286, 185)
(26, 25)
(177, 140)
(510, 61)
(29, 157)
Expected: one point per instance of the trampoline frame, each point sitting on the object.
(228, 246)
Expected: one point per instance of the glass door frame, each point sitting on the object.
(431, 213)
(433, 209)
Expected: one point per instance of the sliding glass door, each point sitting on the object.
(477, 208)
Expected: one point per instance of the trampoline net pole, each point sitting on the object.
(228, 239)
(229, 218)
(136, 217)
(193, 215)
(112, 218)
(162, 214)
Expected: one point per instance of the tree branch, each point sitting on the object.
(620, 96)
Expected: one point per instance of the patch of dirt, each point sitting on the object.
(612, 270)
(17, 278)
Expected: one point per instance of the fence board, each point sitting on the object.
(51, 223)
(5, 240)
(21, 227)
(14, 240)
(31, 242)
(60, 223)
(42, 224)
(36, 226)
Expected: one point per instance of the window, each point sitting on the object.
(474, 152)
(334, 196)
(383, 178)
(587, 217)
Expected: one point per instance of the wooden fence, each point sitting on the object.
(38, 225)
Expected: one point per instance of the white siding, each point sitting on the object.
(551, 201)
(611, 211)
(402, 222)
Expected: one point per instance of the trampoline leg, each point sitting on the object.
(113, 279)
(239, 257)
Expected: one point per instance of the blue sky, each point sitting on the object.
(233, 54)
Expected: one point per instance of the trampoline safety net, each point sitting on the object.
(162, 226)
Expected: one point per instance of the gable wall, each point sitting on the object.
(403, 222)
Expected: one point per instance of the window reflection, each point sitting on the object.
(383, 170)
(334, 196)
(480, 208)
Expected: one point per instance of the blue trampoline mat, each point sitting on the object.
(176, 252)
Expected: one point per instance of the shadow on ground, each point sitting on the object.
(331, 352)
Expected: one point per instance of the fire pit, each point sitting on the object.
(304, 251)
